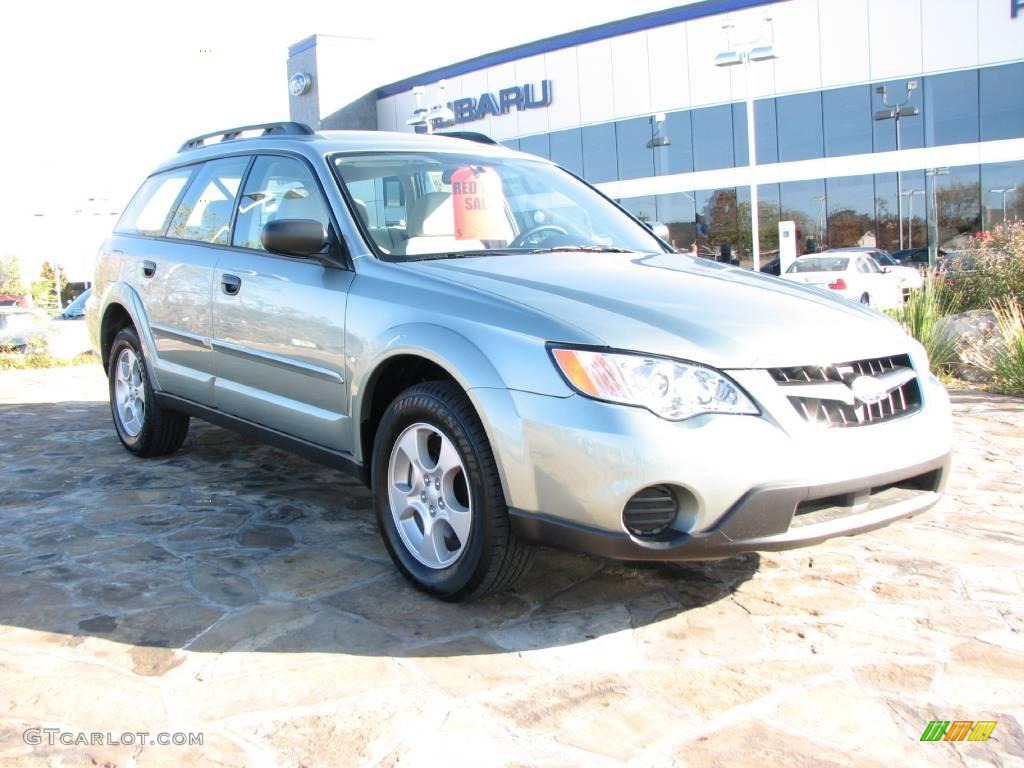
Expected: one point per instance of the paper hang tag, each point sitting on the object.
(478, 201)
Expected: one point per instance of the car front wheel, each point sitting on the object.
(143, 426)
(438, 497)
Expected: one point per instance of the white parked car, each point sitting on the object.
(910, 278)
(854, 275)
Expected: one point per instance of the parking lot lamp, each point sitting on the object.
(895, 112)
(753, 50)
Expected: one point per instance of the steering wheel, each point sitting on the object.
(524, 237)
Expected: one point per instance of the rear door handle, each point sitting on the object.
(230, 284)
(148, 268)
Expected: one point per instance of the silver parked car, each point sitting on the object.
(504, 355)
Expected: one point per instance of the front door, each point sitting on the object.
(279, 321)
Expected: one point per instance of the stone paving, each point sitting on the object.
(240, 592)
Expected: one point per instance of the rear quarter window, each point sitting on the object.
(150, 209)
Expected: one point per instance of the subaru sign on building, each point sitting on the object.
(890, 123)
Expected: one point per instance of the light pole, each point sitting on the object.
(1003, 191)
(910, 193)
(895, 112)
(934, 173)
(744, 54)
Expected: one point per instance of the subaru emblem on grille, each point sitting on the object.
(869, 390)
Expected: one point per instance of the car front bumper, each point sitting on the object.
(569, 466)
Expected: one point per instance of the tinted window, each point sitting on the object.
(204, 212)
(850, 205)
(567, 150)
(767, 131)
(803, 203)
(677, 157)
(536, 145)
(799, 123)
(1002, 108)
(951, 108)
(277, 188)
(712, 138)
(511, 144)
(958, 198)
(641, 207)
(599, 162)
(911, 126)
(636, 159)
(150, 209)
(820, 264)
(716, 222)
(739, 134)
(768, 220)
(911, 206)
(677, 212)
(847, 120)
(1002, 190)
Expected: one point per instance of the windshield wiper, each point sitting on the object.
(584, 249)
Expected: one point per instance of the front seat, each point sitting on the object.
(431, 227)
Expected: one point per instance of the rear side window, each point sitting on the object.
(151, 208)
(277, 188)
(204, 213)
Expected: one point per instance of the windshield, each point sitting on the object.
(819, 264)
(885, 259)
(417, 205)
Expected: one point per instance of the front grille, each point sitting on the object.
(827, 394)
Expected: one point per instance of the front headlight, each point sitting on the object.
(667, 388)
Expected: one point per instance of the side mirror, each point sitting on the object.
(294, 237)
(660, 230)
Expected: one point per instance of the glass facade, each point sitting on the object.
(951, 108)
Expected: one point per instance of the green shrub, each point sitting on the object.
(1009, 363)
(998, 273)
(10, 361)
(925, 316)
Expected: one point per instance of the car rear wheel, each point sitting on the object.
(438, 497)
(143, 427)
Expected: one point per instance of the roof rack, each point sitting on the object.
(480, 138)
(269, 129)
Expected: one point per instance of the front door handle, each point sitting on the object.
(148, 268)
(230, 284)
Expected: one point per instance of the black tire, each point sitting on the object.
(493, 559)
(865, 300)
(163, 431)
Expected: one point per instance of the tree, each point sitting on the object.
(10, 277)
(47, 290)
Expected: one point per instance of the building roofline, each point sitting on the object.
(609, 29)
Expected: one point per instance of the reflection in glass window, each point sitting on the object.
(739, 134)
(803, 203)
(511, 144)
(678, 156)
(536, 145)
(277, 188)
(847, 120)
(677, 212)
(712, 138)
(567, 150)
(912, 208)
(599, 153)
(641, 207)
(799, 121)
(951, 108)
(767, 131)
(850, 206)
(716, 223)
(911, 127)
(636, 159)
(957, 212)
(1002, 105)
(1002, 192)
(152, 205)
(768, 220)
(204, 212)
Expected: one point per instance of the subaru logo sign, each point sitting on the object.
(868, 390)
(299, 83)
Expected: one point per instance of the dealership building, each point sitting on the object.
(876, 122)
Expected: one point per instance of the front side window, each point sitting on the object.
(277, 188)
(465, 204)
(150, 209)
(204, 213)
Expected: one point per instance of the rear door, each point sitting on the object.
(175, 277)
(279, 321)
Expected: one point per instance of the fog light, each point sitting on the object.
(650, 511)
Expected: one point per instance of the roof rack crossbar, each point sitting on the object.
(269, 129)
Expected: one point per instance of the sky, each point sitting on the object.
(96, 94)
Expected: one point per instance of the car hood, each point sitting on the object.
(679, 306)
